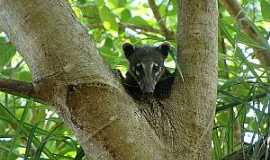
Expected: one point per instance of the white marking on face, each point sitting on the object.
(151, 66)
(143, 66)
(137, 72)
(156, 73)
(156, 69)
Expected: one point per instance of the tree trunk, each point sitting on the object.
(69, 74)
(195, 98)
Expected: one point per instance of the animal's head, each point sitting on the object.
(146, 64)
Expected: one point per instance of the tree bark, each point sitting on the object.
(195, 97)
(69, 74)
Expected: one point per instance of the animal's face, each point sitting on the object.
(146, 64)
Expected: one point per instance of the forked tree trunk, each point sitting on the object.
(70, 75)
(195, 98)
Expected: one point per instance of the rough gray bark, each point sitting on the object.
(69, 74)
(195, 97)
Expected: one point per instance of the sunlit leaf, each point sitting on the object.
(108, 18)
(265, 7)
(7, 51)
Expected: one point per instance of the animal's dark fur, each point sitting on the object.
(160, 78)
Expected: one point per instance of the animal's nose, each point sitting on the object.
(149, 89)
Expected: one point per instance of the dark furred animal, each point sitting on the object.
(147, 74)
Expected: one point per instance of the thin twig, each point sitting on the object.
(236, 103)
(143, 28)
(128, 25)
(167, 33)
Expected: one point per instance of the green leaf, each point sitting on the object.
(44, 141)
(99, 2)
(125, 15)
(138, 21)
(109, 43)
(90, 13)
(81, 1)
(24, 76)
(265, 7)
(7, 51)
(108, 18)
(80, 154)
(29, 142)
(118, 3)
(89, 10)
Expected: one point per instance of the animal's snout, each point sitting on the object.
(149, 88)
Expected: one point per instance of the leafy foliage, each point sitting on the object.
(34, 131)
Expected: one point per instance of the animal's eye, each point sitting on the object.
(138, 69)
(137, 72)
(138, 66)
(156, 67)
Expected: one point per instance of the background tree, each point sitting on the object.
(68, 73)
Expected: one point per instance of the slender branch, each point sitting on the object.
(233, 104)
(144, 28)
(259, 150)
(250, 29)
(20, 88)
(223, 50)
(125, 25)
(167, 33)
(128, 25)
(18, 64)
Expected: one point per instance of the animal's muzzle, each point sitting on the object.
(148, 87)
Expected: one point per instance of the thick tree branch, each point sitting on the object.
(20, 88)
(236, 11)
(197, 48)
(166, 32)
(69, 72)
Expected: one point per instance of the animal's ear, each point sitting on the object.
(164, 48)
(128, 49)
